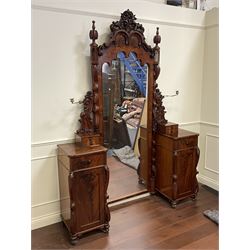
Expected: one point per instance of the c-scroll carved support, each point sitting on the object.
(86, 116)
(196, 172)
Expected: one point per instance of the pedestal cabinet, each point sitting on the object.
(83, 180)
(177, 157)
(176, 161)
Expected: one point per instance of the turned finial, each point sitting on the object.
(157, 37)
(93, 34)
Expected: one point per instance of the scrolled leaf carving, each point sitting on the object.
(158, 109)
(86, 116)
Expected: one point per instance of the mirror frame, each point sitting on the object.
(127, 36)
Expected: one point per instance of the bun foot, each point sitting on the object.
(173, 204)
(193, 197)
(105, 229)
(73, 240)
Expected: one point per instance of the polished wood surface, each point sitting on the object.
(176, 161)
(126, 35)
(75, 150)
(83, 171)
(83, 181)
(148, 223)
(123, 180)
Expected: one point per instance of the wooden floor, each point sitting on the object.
(149, 223)
(123, 180)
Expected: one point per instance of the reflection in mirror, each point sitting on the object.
(124, 98)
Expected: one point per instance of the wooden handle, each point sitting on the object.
(85, 162)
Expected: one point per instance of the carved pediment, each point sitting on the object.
(124, 33)
(127, 23)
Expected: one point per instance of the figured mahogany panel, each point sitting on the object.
(185, 170)
(88, 198)
(176, 159)
(83, 178)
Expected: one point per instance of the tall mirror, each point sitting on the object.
(124, 86)
(125, 104)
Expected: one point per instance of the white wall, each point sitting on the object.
(209, 129)
(60, 70)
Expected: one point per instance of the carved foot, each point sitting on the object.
(193, 197)
(173, 204)
(73, 240)
(105, 228)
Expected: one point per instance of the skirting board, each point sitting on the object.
(208, 181)
(45, 220)
(52, 218)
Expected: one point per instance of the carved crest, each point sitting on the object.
(126, 22)
(125, 32)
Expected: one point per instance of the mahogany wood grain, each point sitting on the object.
(83, 181)
(176, 158)
(126, 35)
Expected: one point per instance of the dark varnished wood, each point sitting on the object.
(83, 180)
(83, 173)
(176, 159)
(126, 35)
(168, 161)
(145, 224)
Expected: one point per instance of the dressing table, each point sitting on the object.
(168, 155)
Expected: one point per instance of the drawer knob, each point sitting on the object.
(85, 162)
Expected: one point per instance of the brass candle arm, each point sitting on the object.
(72, 100)
(176, 93)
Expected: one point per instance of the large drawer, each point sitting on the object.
(87, 161)
(187, 142)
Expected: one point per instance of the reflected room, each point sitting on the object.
(124, 86)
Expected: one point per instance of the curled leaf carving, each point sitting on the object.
(86, 116)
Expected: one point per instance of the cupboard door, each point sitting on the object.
(88, 198)
(184, 172)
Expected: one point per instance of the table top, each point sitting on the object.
(75, 149)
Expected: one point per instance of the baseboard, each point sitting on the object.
(45, 220)
(52, 218)
(208, 181)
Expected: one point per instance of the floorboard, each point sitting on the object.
(123, 180)
(149, 223)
